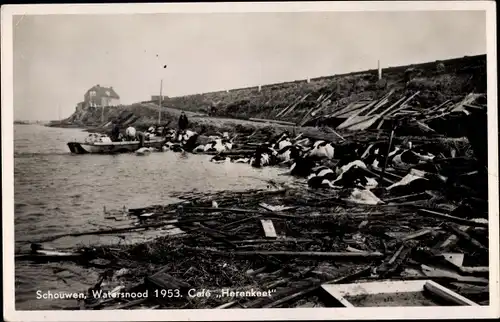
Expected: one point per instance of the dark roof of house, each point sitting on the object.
(104, 91)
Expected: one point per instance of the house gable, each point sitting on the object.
(100, 92)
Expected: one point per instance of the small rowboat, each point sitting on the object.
(113, 147)
(48, 255)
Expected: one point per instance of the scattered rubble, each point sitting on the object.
(319, 240)
(287, 242)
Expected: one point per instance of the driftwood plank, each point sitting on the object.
(452, 240)
(124, 229)
(268, 227)
(447, 294)
(339, 255)
(468, 238)
(316, 286)
(458, 220)
(271, 121)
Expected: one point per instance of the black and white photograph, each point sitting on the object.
(194, 161)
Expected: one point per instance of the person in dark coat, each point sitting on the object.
(183, 122)
(164, 132)
(115, 131)
(142, 137)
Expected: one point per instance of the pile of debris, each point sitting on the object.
(287, 247)
(371, 114)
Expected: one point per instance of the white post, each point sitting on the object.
(161, 98)
(260, 88)
(379, 70)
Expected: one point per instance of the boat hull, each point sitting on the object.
(112, 148)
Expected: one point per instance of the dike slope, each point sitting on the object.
(437, 82)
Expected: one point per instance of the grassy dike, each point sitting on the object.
(436, 84)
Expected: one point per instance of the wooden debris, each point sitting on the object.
(397, 259)
(417, 234)
(275, 208)
(405, 102)
(291, 107)
(390, 182)
(161, 281)
(268, 227)
(128, 304)
(338, 255)
(292, 297)
(420, 194)
(334, 132)
(435, 272)
(452, 240)
(477, 270)
(452, 218)
(387, 154)
(257, 271)
(271, 121)
(468, 238)
(239, 221)
(226, 305)
(124, 229)
(278, 240)
(455, 259)
(447, 294)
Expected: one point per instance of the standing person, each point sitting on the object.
(115, 132)
(183, 122)
(141, 136)
(164, 132)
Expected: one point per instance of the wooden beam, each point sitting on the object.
(296, 104)
(461, 221)
(447, 294)
(403, 104)
(339, 255)
(352, 119)
(268, 227)
(272, 121)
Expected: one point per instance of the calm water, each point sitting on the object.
(56, 192)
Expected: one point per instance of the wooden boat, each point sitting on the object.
(113, 147)
(48, 255)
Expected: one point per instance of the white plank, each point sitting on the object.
(268, 226)
(448, 294)
(375, 287)
(456, 259)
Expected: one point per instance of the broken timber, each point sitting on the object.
(268, 227)
(338, 255)
(458, 220)
(271, 121)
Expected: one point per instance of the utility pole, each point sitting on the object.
(161, 98)
(379, 70)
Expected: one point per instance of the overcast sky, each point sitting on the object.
(57, 58)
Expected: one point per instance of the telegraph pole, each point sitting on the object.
(161, 98)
